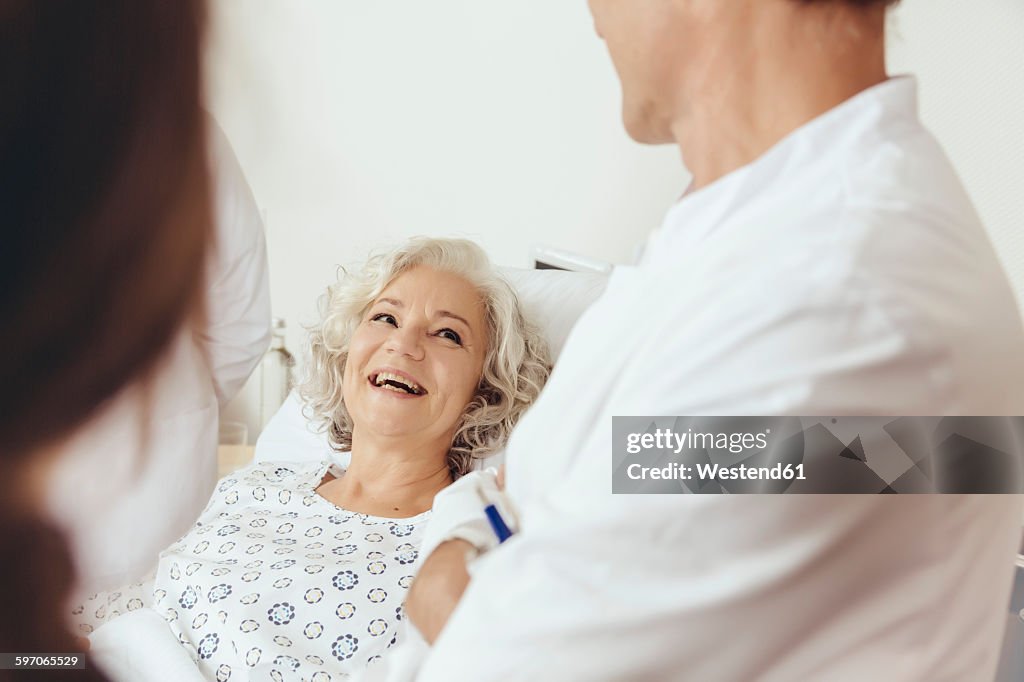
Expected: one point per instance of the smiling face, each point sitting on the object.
(415, 360)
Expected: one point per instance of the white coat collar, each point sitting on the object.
(817, 145)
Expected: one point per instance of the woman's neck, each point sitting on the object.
(389, 478)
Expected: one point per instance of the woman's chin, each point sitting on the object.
(396, 427)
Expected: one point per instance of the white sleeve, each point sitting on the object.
(141, 647)
(740, 587)
(237, 332)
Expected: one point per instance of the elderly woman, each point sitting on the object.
(421, 365)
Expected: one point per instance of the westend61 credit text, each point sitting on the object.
(716, 472)
(659, 455)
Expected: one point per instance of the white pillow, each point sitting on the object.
(552, 299)
(555, 299)
(291, 437)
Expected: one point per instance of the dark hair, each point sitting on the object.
(105, 199)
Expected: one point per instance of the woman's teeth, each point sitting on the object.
(393, 382)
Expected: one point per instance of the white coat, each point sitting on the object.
(844, 272)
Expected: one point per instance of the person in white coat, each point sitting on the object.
(135, 480)
(824, 260)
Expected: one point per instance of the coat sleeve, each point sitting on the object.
(237, 329)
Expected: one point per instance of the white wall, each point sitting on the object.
(969, 57)
(362, 123)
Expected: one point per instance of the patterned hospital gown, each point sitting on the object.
(276, 583)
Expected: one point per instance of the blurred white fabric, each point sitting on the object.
(136, 478)
(139, 647)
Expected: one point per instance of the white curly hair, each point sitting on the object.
(515, 368)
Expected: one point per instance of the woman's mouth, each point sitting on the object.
(397, 382)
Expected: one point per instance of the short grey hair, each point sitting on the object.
(516, 366)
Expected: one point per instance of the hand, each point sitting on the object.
(438, 587)
(443, 578)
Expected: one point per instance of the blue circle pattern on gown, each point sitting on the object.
(287, 552)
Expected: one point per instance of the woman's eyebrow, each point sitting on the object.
(392, 301)
(446, 313)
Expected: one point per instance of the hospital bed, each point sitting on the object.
(138, 646)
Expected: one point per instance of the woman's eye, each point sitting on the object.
(386, 318)
(450, 335)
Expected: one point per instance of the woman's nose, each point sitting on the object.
(406, 341)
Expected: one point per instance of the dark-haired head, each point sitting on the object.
(103, 185)
(104, 188)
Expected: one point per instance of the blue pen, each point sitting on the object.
(498, 524)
